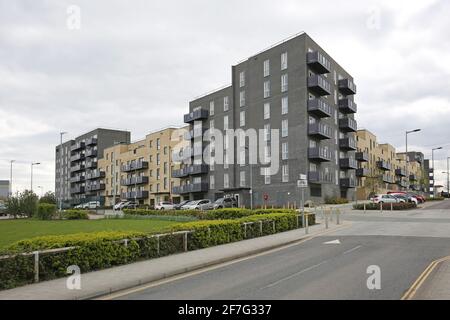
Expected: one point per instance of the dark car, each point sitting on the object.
(177, 206)
(225, 203)
(131, 205)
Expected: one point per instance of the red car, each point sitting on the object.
(420, 198)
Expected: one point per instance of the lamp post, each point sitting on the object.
(33, 164)
(42, 190)
(251, 179)
(60, 193)
(11, 177)
(432, 163)
(448, 180)
(407, 157)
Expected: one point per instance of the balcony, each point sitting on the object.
(134, 166)
(347, 87)
(95, 187)
(77, 146)
(77, 190)
(362, 156)
(91, 164)
(319, 130)
(91, 153)
(347, 125)
(317, 62)
(362, 172)
(78, 167)
(77, 179)
(319, 154)
(190, 170)
(91, 141)
(347, 106)
(135, 195)
(319, 108)
(383, 165)
(347, 144)
(319, 85)
(95, 174)
(317, 177)
(196, 115)
(188, 188)
(412, 177)
(134, 181)
(77, 157)
(387, 178)
(400, 172)
(402, 183)
(347, 183)
(348, 163)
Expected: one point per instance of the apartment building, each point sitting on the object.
(300, 90)
(4, 189)
(77, 178)
(142, 171)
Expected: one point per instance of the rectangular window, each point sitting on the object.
(266, 68)
(241, 79)
(242, 98)
(211, 108)
(225, 123)
(266, 175)
(285, 173)
(165, 183)
(284, 151)
(242, 178)
(212, 182)
(267, 153)
(225, 103)
(267, 132)
(284, 82)
(284, 61)
(158, 143)
(226, 181)
(211, 124)
(266, 110)
(267, 89)
(242, 118)
(284, 105)
(225, 160)
(284, 128)
(242, 158)
(158, 159)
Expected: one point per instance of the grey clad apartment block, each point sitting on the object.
(297, 88)
(78, 179)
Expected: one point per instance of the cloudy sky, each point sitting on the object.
(136, 64)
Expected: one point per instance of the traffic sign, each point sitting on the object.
(266, 197)
(302, 183)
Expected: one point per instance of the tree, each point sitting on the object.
(49, 197)
(24, 203)
(13, 206)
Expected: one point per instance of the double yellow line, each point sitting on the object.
(422, 278)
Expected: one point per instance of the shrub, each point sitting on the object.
(386, 206)
(46, 211)
(335, 200)
(438, 198)
(75, 214)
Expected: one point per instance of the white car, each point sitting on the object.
(164, 205)
(120, 205)
(89, 205)
(204, 204)
(385, 198)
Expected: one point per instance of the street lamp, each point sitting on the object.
(33, 164)
(432, 163)
(42, 190)
(448, 180)
(11, 177)
(60, 193)
(407, 157)
(251, 179)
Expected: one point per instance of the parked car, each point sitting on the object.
(225, 203)
(445, 194)
(91, 205)
(130, 205)
(204, 204)
(164, 205)
(120, 205)
(406, 197)
(2, 209)
(385, 198)
(178, 206)
(420, 198)
(400, 197)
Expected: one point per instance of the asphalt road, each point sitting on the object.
(445, 204)
(401, 244)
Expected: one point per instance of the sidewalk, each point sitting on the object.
(106, 281)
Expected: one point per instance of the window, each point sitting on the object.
(241, 79)
(165, 183)
(266, 68)
(225, 123)
(285, 173)
(267, 153)
(211, 108)
(158, 160)
(267, 132)
(284, 128)
(242, 98)
(284, 105)
(242, 178)
(284, 61)
(284, 151)
(284, 82)
(225, 160)
(150, 144)
(158, 144)
(225, 103)
(212, 182)
(165, 167)
(266, 175)
(165, 150)
(266, 110)
(242, 118)
(226, 181)
(242, 158)
(211, 124)
(267, 89)
(158, 176)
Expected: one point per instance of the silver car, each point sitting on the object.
(204, 204)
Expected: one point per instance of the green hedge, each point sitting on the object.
(438, 198)
(75, 214)
(386, 206)
(45, 211)
(99, 250)
(335, 200)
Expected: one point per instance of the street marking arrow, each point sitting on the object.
(333, 242)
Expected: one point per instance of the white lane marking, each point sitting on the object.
(352, 249)
(333, 242)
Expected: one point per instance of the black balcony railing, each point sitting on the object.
(319, 154)
(347, 87)
(77, 157)
(319, 85)
(319, 177)
(362, 172)
(95, 187)
(347, 124)
(400, 172)
(319, 108)
(91, 141)
(134, 166)
(320, 130)
(135, 195)
(95, 174)
(77, 167)
(347, 182)
(412, 177)
(91, 153)
(362, 156)
(77, 179)
(348, 163)
(347, 106)
(91, 164)
(401, 183)
(135, 180)
(190, 170)
(192, 187)
(347, 143)
(196, 115)
(77, 146)
(318, 62)
(77, 190)
(383, 165)
(387, 178)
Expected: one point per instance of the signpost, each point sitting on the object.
(302, 183)
(266, 197)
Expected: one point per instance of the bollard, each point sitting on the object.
(331, 214)
(326, 220)
(36, 266)
(260, 228)
(245, 231)
(306, 224)
(364, 207)
(274, 229)
(185, 240)
(157, 245)
(391, 206)
(297, 221)
(338, 212)
(381, 207)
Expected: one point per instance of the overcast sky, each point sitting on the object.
(136, 64)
